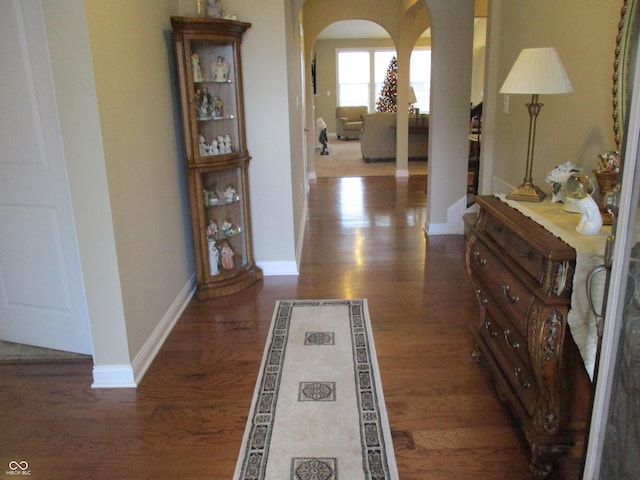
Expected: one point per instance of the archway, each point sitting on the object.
(452, 40)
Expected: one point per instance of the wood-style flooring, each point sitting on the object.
(363, 239)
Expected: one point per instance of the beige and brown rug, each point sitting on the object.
(345, 160)
(318, 411)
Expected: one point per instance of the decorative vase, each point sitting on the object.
(607, 183)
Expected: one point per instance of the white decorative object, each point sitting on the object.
(214, 258)
(195, 67)
(220, 70)
(557, 178)
(213, 9)
(213, 148)
(229, 194)
(591, 220)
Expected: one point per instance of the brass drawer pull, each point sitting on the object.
(524, 383)
(526, 255)
(496, 228)
(487, 325)
(479, 260)
(512, 298)
(511, 344)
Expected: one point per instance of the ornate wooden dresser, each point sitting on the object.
(522, 276)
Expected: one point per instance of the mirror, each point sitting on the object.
(623, 57)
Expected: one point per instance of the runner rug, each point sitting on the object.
(318, 411)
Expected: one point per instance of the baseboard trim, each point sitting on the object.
(113, 376)
(301, 229)
(130, 376)
(454, 224)
(274, 269)
(151, 347)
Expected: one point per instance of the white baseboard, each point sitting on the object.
(152, 346)
(113, 376)
(301, 228)
(130, 376)
(273, 269)
(499, 186)
(454, 224)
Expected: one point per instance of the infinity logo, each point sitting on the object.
(23, 465)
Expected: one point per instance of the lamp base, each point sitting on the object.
(527, 192)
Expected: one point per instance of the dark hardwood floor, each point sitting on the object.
(363, 239)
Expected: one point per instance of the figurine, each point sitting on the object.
(229, 194)
(204, 148)
(195, 67)
(213, 9)
(226, 254)
(204, 108)
(591, 220)
(213, 148)
(220, 70)
(212, 230)
(216, 107)
(214, 258)
(227, 143)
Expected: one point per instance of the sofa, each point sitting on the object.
(378, 137)
(349, 121)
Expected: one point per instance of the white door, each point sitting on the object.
(42, 298)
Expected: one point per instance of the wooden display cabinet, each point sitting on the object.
(211, 102)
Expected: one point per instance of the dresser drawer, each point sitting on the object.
(510, 351)
(506, 290)
(532, 261)
(497, 231)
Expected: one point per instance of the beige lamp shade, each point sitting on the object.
(412, 96)
(537, 71)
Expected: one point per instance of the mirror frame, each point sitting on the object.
(621, 68)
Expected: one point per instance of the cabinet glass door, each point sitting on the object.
(214, 99)
(224, 220)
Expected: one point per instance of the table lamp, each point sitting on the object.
(536, 71)
(412, 101)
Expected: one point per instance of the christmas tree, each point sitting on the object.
(388, 101)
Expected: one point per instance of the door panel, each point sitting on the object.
(42, 299)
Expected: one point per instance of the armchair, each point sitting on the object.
(349, 121)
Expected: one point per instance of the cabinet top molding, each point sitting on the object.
(204, 25)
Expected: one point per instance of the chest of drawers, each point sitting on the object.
(523, 276)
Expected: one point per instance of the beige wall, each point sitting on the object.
(326, 97)
(573, 127)
(136, 100)
(84, 155)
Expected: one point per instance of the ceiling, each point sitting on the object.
(353, 29)
(356, 29)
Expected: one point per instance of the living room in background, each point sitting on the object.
(361, 74)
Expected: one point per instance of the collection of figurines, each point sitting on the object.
(220, 255)
(219, 69)
(209, 106)
(219, 146)
(211, 197)
(574, 189)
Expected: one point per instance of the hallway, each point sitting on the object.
(364, 239)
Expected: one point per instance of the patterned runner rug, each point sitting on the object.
(318, 411)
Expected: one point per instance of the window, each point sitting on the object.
(361, 75)
(420, 77)
(353, 78)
